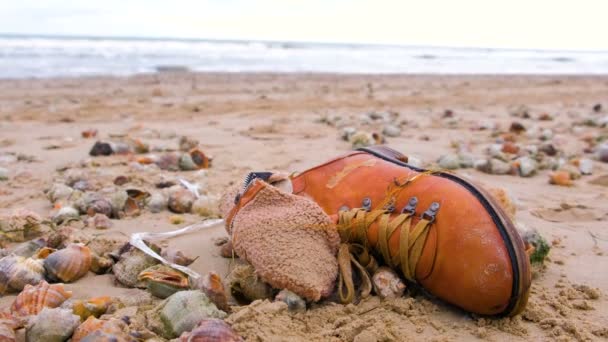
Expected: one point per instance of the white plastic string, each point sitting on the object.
(192, 187)
(137, 240)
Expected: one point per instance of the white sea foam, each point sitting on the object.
(22, 57)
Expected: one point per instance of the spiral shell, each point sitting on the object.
(34, 298)
(7, 334)
(212, 286)
(211, 330)
(163, 281)
(28, 248)
(68, 264)
(92, 307)
(51, 325)
(17, 271)
(94, 329)
(246, 286)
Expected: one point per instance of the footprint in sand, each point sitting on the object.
(569, 213)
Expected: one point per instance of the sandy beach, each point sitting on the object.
(290, 122)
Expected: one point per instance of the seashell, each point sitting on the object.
(7, 333)
(100, 206)
(51, 325)
(101, 149)
(99, 221)
(118, 200)
(181, 201)
(20, 226)
(163, 281)
(90, 325)
(139, 146)
(177, 257)
(536, 245)
(157, 202)
(449, 161)
(347, 132)
(34, 298)
(4, 173)
(391, 131)
(89, 133)
(560, 178)
(509, 147)
(169, 162)
(59, 192)
(526, 166)
(206, 205)
(66, 214)
(146, 160)
(44, 252)
(186, 163)
(211, 330)
(181, 312)
(92, 307)
(68, 264)
(246, 286)
(94, 329)
(294, 302)
(199, 158)
(121, 180)
(227, 251)
(28, 248)
(387, 283)
(517, 127)
(135, 201)
(187, 143)
(130, 264)
(585, 166)
(361, 139)
(602, 153)
(16, 272)
(101, 265)
(211, 284)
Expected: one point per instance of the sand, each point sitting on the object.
(271, 122)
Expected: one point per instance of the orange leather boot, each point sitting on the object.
(443, 232)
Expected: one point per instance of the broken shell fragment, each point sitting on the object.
(99, 221)
(16, 272)
(59, 192)
(66, 214)
(34, 298)
(387, 283)
(163, 281)
(100, 206)
(211, 330)
(68, 264)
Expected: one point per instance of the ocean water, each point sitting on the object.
(32, 56)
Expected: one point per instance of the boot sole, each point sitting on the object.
(508, 232)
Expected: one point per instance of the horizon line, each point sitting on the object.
(271, 41)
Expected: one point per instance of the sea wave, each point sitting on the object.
(31, 56)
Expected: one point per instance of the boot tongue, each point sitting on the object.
(277, 179)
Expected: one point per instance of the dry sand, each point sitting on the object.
(270, 122)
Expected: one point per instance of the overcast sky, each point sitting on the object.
(539, 24)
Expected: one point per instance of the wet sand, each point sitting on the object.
(254, 122)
